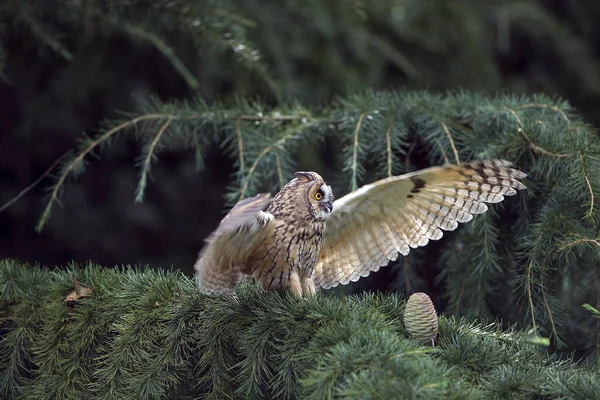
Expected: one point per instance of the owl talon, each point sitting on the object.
(308, 287)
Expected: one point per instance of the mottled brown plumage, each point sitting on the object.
(302, 240)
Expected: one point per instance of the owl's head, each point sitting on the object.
(318, 194)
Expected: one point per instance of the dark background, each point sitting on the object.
(67, 66)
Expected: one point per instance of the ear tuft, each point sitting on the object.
(304, 176)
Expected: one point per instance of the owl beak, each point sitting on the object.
(328, 206)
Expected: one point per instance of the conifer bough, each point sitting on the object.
(149, 334)
(529, 261)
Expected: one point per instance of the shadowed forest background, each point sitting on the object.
(68, 66)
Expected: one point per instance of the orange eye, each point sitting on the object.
(318, 196)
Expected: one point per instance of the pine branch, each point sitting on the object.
(148, 334)
(525, 242)
(454, 151)
(355, 147)
(76, 163)
(165, 50)
(42, 34)
(147, 159)
(34, 183)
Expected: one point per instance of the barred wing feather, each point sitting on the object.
(370, 226)
(219, 264)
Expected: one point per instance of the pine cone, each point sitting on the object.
(420, 318)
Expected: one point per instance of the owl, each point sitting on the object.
(302, 239)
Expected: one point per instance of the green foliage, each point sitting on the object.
(314, 49)
(530, 260)
(150, 335)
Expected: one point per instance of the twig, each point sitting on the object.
(554, 331)
(390, 52)
(273, 117)
(238, 133)
(166, 51)
(578, 241)
(587, 181)
(529, 295)
(531, 144)
(236, 17)
(81, 156)
(46, 37)
(411, 148)
(553, 108)
(538, 122)
(252, 169)
(142, 184)
(514, 114)
(198, 152)
(263, 153)
(69, 169)
(355, 150)
(34, 184)
(537, 148)
(279, 172)
(451, 142)
(388, 139)
(446, 159)
(251, 59)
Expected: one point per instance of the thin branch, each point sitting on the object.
(34, 184)
(531, 144)
(411, 148)
(537, 148)
(388, 139)
(198, 151)
(81, 156)
(515, 116)
(553, 108)
(236, 17)
(139, 198)
(451, 142)
(165, 50)
(391, 52)
(540, 123)
(279, 172)
(554, 331)
(579, 241)
(355, 150)
(530, 296)
(252, 169)
(252, 60)
(69, 169)
(263, 153)
(281, 118)
(238, 132)
(587, 181)
(240, 141)
(446, 159)
(46, 37)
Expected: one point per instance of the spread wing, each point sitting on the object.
(370, 226)
(220, 262)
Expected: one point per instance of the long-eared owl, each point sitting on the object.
(302, 239)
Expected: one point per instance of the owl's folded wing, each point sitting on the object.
(219, 264)
(370, 226)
